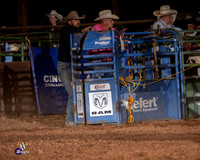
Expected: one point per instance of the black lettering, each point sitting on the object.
(107, 112)
(94, 113)
(100, 112)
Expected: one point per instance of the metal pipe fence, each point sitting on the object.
(190, 64)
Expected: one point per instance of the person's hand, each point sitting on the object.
(123, 31)
(86, 29)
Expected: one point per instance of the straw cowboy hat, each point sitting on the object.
(106, 14)
(164, 10)
(72, 15)
(53, 12)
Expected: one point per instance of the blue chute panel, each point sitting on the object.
(98, 40)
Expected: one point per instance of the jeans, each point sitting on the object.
(64, 72)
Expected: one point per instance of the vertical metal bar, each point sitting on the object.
(177, 78)
(181, 60)
(34, 79)
(26, 46)
(22, 51)
(116, 77)
(73, 81)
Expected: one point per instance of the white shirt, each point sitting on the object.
(161, 23)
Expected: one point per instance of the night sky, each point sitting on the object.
(128, 10)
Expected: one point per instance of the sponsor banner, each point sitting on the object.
(51, 92)
(100, 104)
(52, 81)
(101, 86)
(145, 104)
(80, 107)
(98, 40)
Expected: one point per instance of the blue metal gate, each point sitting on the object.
(94, 69)
(153, 62)
(147, 66)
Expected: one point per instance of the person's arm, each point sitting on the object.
(86, 29)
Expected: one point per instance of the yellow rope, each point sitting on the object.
(168, 76)
(126, 82)
(123, 81)
(155, 55)
(130, 102)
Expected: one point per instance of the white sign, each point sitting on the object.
(100, 104)
(78, 88)
(79, 102)
(101, 86)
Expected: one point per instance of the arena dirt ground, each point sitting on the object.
(47, 137)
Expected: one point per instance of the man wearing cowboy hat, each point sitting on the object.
(164, 16)
(64, 60)
(106, 21)
(165, 19)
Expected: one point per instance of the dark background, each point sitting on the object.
(128, 9)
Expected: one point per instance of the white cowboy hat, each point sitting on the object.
(164, 10)
(106, 14)
(73, 15)
(53, 12)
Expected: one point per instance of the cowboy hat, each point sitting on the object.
(72, 15)
(53, 12)
(164, 10)
(106, 14)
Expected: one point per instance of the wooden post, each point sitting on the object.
(115, 7)
(22, 13)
